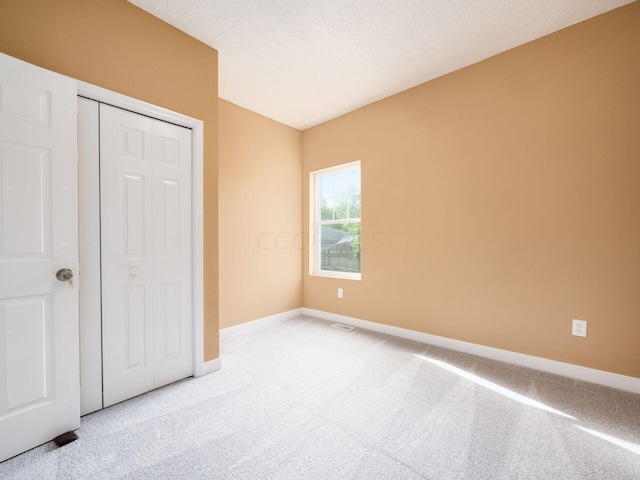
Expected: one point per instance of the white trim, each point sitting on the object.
(115, 99)
(315, 224)
(137, 106)
(343, 167)
(211, 366)
(608, 379)
(261, 322)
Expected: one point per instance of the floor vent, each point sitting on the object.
(340, 326)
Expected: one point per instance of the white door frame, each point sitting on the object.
(103, 95)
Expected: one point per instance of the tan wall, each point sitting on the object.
(260, 216)
(115, 45)
(503, 200)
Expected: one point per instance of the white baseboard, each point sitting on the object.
(613, 380)
(261, 322)
(211, 366)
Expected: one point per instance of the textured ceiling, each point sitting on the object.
(302, 62)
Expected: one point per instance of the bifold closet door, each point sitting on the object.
(146, 253)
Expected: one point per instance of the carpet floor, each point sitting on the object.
(302, 400)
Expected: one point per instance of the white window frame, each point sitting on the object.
(315, 222)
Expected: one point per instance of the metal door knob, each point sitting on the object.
(64, 274)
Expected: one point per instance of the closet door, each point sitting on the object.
(89, 256)
(146, 253)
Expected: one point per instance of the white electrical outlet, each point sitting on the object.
(340, 293)
(579, 328)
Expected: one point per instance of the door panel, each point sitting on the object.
(169, 319)
(25, 202)
(169, 218)
(27, 337)
(172, 252)
(25, 103)
(133, 216)
(146, 253)
(39, 377)
(134, 329)
(125, 189)
(89, 253)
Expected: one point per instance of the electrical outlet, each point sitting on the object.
(340, 293)
(579, 328)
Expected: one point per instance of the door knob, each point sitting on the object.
(64, 274)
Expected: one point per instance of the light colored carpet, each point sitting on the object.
(302, 400)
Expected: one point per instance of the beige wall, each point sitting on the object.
(260, 216)
(115, 45)
(503, 200)
(500, 201)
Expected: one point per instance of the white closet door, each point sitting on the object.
(39, 379)
(89, 256)
(172, 252)
(145, 188)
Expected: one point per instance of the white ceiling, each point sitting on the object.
(302, 62)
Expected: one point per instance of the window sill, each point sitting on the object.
(339, 275)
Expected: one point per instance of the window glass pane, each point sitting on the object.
(327, 209)
(326, 186)
(341, 207)
(354, 182)
(341, 184)
(340, 247)
(354, 206)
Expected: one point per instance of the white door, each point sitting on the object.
(147, 302)
(39, 379)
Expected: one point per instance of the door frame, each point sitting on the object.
(92, 339)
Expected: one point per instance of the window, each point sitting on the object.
(335, 217)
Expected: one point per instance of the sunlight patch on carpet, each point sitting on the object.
(493, 386)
